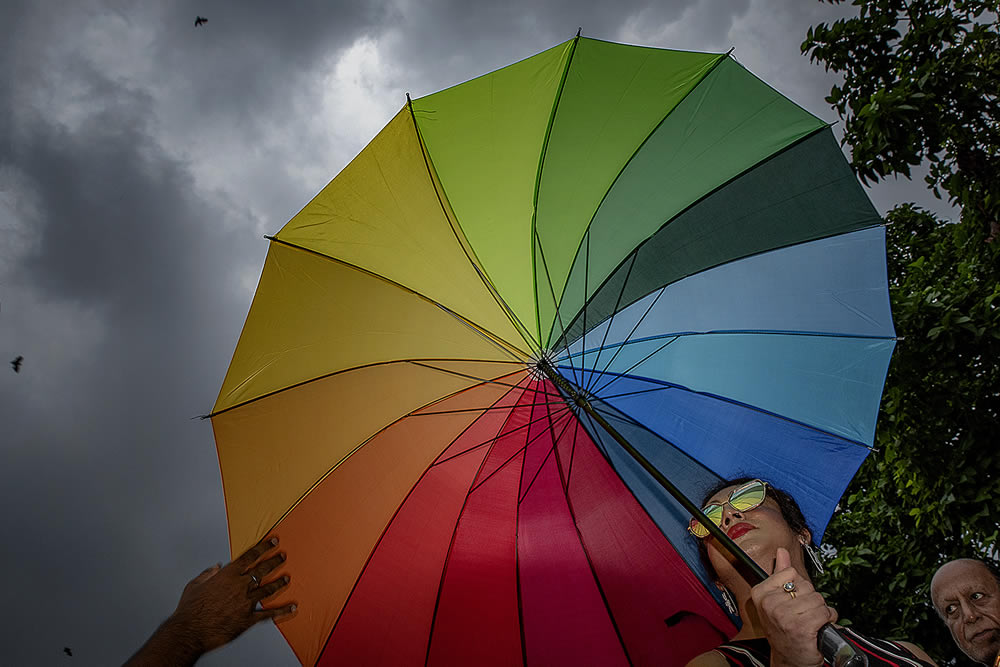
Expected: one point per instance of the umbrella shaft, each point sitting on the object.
(752, 568)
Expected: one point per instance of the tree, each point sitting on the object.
(921, 83)
(920, 86)
(929, 492)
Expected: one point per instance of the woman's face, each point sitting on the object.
(759, 532)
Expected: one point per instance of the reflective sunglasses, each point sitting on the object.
(743, 499)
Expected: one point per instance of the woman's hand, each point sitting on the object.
(791, 623)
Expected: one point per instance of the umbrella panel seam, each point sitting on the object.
(649, 309)
(451, 545)
(671, 385)
(517, 559)
(519, 451)
(465, 375)
(735, 332)
(460, 410)
(636, 364)
(676, 335)
(366, 366)
(548, 278)
(538, 181)
(565, 480)
(463, 242)
(548, 416)
(486, 442)
(504, 345)
(607, 330)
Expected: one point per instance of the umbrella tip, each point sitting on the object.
(578, 31)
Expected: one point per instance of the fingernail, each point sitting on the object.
(283, 557)
(274, 541)
(287, 578)
(294, 607)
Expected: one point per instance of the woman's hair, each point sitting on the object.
(790, 512)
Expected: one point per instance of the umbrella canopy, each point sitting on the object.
(683, 245)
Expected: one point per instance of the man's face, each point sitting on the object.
(967, 597)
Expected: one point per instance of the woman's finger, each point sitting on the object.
(833, 614)
(776, 602)
(782, 560)
(786, 582)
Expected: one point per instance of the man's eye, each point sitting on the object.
(976, 596)
(950, 609)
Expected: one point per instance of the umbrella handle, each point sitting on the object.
(837, 650)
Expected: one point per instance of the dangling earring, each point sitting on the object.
(813, 557)
(727, 599)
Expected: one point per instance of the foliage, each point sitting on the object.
(921, 83)
(929, 493)
(920, 86)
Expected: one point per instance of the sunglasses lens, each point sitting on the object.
(748, 497)
(714, 514)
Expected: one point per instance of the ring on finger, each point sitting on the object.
(255, 580)
(789, 587)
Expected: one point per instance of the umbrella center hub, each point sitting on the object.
(542, 369)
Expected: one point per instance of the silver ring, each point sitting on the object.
(256, 581)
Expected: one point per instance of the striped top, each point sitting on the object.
(757, 652)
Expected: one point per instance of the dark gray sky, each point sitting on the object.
(141, 160)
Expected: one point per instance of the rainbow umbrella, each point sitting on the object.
(449, 343)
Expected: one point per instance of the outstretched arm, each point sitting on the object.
(216, 607)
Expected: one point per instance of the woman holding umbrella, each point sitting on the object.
(782, 615)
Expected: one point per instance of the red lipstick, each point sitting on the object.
(739, 529)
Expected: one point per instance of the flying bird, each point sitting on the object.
(199, 20)
(16, 364)
(68, 651)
